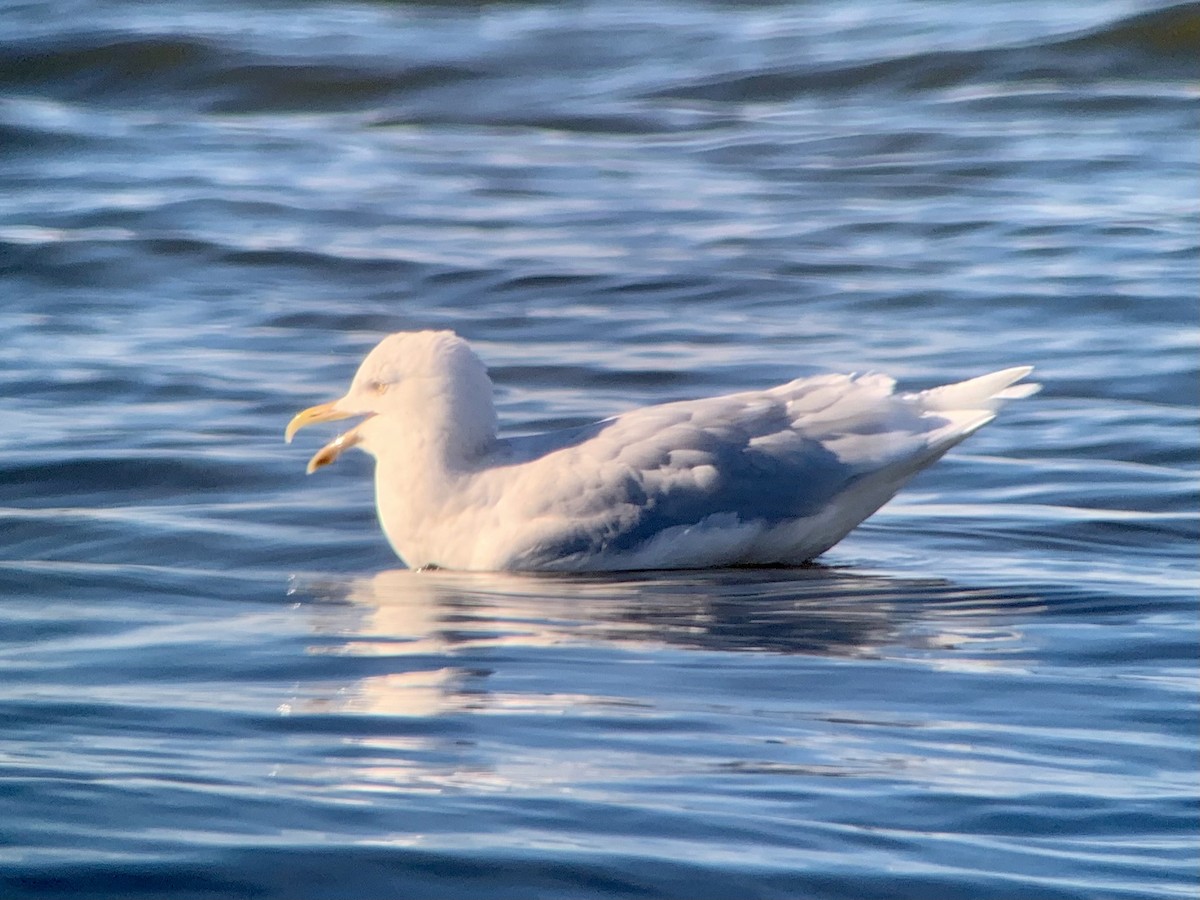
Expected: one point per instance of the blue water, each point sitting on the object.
(215, 681)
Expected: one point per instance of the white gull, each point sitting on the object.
(776, 476)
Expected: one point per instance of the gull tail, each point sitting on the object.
(985, 392)
(943, 417)
(969, 405)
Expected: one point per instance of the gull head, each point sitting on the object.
(426, 382)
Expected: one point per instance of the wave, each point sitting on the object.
(1158, 45)
(217, 75)
(101, 66)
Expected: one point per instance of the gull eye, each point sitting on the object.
(378, 387)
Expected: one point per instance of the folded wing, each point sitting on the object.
(734, 475)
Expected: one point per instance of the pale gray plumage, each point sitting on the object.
(759, 477)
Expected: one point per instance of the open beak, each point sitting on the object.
(325, 412)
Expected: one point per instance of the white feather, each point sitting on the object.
(760, 477)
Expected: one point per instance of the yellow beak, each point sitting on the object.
(325, 412)
(333, 450)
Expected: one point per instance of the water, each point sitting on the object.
(217, 683)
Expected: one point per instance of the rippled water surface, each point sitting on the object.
(216, 680)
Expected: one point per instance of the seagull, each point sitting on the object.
(763, 477)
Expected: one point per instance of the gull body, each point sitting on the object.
(776, 476)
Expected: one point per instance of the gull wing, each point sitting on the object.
(734, 470)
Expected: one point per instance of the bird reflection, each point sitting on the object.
(439, 635)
